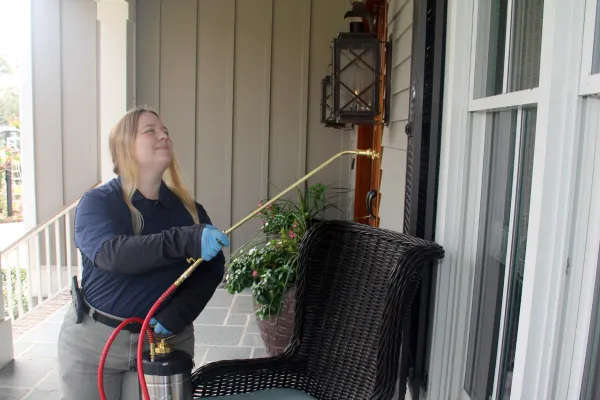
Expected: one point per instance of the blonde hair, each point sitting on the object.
(121, 141)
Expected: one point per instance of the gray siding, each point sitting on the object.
(393, 163)
(238, 85)
(64, 103)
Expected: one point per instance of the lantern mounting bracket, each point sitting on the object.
(360, 10)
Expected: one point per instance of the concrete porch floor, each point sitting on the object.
(225, 330)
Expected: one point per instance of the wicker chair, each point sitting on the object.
(354, 284)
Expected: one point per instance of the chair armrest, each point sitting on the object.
(243, 376)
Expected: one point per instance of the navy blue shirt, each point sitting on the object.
(124, 274)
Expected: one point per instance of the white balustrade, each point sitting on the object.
(40, 264)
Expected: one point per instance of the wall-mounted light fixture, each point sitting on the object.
(357, 72)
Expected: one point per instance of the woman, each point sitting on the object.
(135, 234)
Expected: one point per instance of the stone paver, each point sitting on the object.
(40, 314)
(225, 330)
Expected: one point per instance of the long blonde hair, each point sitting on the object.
(121, 141)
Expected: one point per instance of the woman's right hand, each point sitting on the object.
(212, 242)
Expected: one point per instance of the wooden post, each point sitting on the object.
(363, 174)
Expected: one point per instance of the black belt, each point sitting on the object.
(82, 307)
(133, 327)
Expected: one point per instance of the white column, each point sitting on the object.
(42, 114)
(116, 81)
(6, 341)
(58, 104)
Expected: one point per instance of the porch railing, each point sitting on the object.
(40, 264)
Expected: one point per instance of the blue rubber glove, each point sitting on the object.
(158, 328)
(212, 242)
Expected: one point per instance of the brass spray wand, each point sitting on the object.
(369, 153)
(163, 348)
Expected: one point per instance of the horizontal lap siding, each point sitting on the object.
(400, 16)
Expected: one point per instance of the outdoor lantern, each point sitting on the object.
(356, 71)
(327, 112)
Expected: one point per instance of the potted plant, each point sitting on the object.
(268, 263)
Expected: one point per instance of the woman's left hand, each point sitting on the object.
(159, 329)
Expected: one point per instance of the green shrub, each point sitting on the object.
(268, 263)
(13, 290)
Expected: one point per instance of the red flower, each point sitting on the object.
(292, 234)
(254, 274)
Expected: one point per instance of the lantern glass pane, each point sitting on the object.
(329, 99)
(357, 78)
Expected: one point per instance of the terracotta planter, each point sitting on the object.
(277, 330)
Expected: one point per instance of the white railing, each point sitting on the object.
(40, 264)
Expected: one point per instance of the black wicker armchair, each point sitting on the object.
(354, 287)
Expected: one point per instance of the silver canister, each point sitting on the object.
(168, 377)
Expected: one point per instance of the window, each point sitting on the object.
(16, 174)
(590, 388)
(14, 142)
(590, 59)
(590, 85)
(519, 247)
(509, 42)
(596, 44)
(506, 67)
(506, 71)
(11, 139)
(491, 257)
(501, 323)
(501, 248)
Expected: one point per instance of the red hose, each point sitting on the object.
(145, 328)
(140, 349)
(111, 339)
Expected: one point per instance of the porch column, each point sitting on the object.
(59, 93)
(6, 340)
(116, 34)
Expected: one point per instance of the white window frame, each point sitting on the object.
(506, 99)
(480, 108)
(589, 83)
(579, 288)
(551, 200)
(573, 345)
(479, 133)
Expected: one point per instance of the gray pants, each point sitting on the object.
(79, 350)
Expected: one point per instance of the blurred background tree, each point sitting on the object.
(10, 156)
(9, 96)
